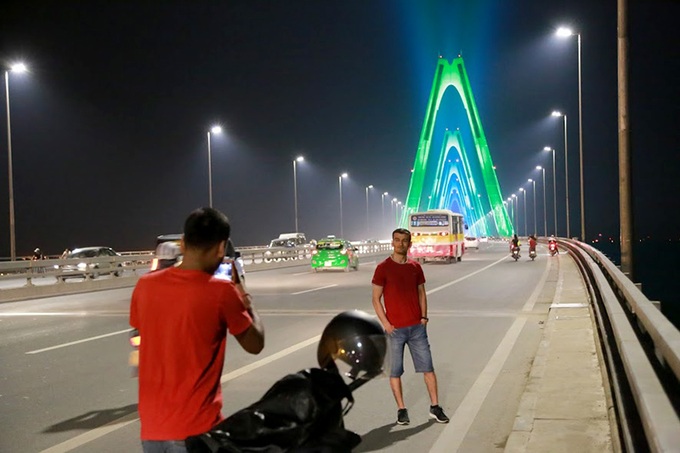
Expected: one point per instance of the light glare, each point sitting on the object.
(564, 32)
(18, 67)
(556, 113)
(216, 129)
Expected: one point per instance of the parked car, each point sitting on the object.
(91, 266)
(334, 253)
(471, 242)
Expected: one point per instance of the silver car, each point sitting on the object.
(90, 266)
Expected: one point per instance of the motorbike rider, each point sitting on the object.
(532, 243)
(514, 243)
(552, 243)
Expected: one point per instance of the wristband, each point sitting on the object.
(425, 318)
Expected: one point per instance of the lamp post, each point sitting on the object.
(534, 190)
(524, 192)
(18, 67)
(368, 225)
(382, 203)
(514, 212)
(295, 161)
(214, 130)
(545, 217)
(566, 166)
(393, 203)
(548, 148)
(342, 231)
(564, 32)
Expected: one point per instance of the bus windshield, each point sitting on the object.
(429, 220)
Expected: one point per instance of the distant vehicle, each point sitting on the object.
(92, 267)
(436, 235)
(483, 239)
(471, 242)
(284, 247)
(334, 253)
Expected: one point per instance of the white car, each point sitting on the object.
(471, 242)
(483, 239)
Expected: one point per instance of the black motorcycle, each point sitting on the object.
(303, 412)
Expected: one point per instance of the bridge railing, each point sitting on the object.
(27, 279)
(642, 349)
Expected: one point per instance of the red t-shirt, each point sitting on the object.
(183, 317)
(400, 290)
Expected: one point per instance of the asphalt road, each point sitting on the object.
(65, 384)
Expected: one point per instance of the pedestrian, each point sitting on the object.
(400, 283)
(183, 315)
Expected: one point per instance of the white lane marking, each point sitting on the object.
(439, 288)
(84, 340)
(96, 433)
(529, 305)
(314, 289)
(39, 313)
(302, 273)
(452, 436)
(260, 363)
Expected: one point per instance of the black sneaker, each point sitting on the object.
(438, 414)
(402, 417)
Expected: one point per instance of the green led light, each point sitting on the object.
(446, 75)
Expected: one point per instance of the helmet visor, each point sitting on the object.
(362, 357)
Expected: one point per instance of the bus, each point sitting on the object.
(436, 235)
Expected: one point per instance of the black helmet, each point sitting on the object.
(358, 340)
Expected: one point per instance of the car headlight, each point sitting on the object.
(81, 266)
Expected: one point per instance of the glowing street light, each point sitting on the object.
(564, 32)
(545, 216)
(566, 166)
(534, 184)
(368, 225)
(215, 130)
(295, 161)
(18, 68)
(342, 231)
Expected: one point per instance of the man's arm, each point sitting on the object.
(422, 300)
(252, 339)
(379, 309)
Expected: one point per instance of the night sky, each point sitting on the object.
(109, 126)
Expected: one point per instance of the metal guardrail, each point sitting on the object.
(643, 354)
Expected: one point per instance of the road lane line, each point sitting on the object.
(453, 435)
(84, 340)
(314, 289)
(439, 288)
(94, 434)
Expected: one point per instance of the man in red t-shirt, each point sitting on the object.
(401, 283)
(183, 315)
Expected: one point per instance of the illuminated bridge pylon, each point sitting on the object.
(478, 200)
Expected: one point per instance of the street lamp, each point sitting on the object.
(564, 32)
(214, 130)
(382, 203)
(521, 189)
(342, 231)
(18, 68)
(566, 165)
(514, 212)
(295, 161)
(548, 148)
(534, 184)
(368, 225)
(545, 216)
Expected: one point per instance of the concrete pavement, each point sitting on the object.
(565, 406)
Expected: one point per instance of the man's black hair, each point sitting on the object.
(402, 231)
(206, 227)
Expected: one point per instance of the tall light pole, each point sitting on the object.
(214, 130)
(534, 190)
(514, 211)
(545, 216)
(18, 67)
(295, 161)
(566, 166)
(368, 224)
(564, 32)
(548, 148)
(342, 230)
(625, 183)
(382, 203)
(393, 203)
(524, 192)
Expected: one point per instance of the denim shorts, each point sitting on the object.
(416, 338)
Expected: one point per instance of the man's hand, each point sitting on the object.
(389, 328)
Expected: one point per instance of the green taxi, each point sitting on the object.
(334, 253)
